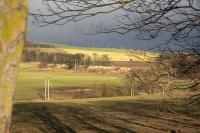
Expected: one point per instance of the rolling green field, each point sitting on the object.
(30, 82)
(31, 79)
(158, 113)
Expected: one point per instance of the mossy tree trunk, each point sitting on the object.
(13, 14)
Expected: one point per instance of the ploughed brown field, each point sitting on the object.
(130, 64)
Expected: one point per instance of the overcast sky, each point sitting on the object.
(74, 33)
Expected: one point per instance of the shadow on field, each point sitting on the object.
(51, 121)
(106, 117)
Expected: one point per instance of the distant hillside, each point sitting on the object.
(114, 53)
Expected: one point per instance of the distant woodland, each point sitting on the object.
(72, 61)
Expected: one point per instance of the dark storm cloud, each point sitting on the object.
(74, 33)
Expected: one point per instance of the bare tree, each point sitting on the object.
(149, 81)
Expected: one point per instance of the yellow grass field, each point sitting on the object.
(113, 53)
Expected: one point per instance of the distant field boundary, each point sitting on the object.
(132, 64)
(119, 98)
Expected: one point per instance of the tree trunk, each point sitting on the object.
(13, 14)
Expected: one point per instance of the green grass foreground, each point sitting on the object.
(108, 115)
(31, 82)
